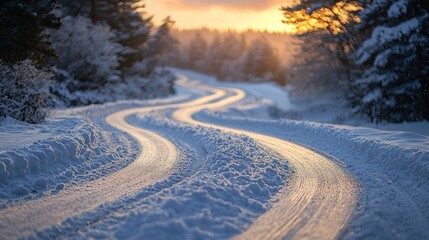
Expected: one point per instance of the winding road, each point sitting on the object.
(316, 203)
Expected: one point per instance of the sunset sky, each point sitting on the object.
(220, 14)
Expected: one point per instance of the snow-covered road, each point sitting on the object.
(202, 176)
(155, 162)
(318, 200)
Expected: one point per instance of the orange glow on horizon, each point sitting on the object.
(221, 18)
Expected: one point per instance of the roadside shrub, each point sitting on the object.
(23, 91)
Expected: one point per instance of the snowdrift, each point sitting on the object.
(82, 152)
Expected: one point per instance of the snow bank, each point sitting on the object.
(78, 152)
(389, 148)
(70, 147)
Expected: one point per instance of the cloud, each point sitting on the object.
(227, 4)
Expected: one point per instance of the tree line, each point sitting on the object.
(77, 53)
(230, 57)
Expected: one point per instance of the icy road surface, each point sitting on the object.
(195, 174)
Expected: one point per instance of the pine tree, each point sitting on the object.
(326, 33)
(225, 55)
(214, 56)
(22, 25)
(126, 18)
(197, 51)
(261, 61)
(233, 53)
(336, 18)
(160, 44)
(393, 83)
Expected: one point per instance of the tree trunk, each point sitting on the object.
(93, 11)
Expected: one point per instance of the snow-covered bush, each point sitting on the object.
(23, 91)
(159, 84)
(88, 52)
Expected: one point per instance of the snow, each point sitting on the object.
(372, 96)
(314, 8)
(271, 102)
(36, 161)
(222, 182)
(383, 35)
(233, 185)
(393, 168)
(397, 9)
(70, 147)
(261, 91)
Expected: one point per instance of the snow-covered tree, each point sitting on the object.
(229, 58)
(225, 57)
(393, 84)
(88, 52)
(196, 53)
(316, 69)
(23, 91)
(261, 62)
(214, 55)
(131, 26)
(336, 18)
(326, 38)
(160, 44)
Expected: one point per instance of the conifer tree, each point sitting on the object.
(127, 19)
(160, 44)
(214, 55)
(22, 25)
(197, 50)
(261, 61)
(393, 83)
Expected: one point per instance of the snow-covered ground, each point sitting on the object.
(390, 161)
(221, 182)
(268, 100)
(70, 147)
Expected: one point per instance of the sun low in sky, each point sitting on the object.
(221, 14)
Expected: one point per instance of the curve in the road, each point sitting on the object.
(317, 203)
(155, 163)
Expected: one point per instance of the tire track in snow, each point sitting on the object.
(318, 201)
(155, 163)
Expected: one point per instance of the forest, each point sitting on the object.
(373, 54)
(57, 53)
